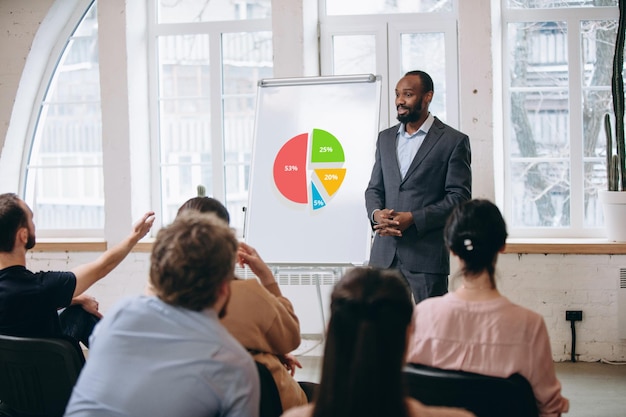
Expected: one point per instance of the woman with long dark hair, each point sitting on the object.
(365, 349)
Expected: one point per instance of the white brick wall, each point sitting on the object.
(548, 284)
(552, 284)
(129, 278)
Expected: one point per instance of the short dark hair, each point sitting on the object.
(427, 82)
(206, 205)
(12, 217)
(475, 232)
(191, 259)
(371, 310)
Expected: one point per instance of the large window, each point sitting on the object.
(557, 70)
(210, 57)
(389, 39)
(206, 57)
(64, 181)
(375, 7)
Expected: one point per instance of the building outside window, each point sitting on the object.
(391, 38)
(210, 58)
(557, 77)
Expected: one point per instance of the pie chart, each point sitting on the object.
(308, 168)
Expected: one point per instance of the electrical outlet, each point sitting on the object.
(574, 315)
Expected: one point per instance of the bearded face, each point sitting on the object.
(408, 113)
(30, 226)
(411, 100)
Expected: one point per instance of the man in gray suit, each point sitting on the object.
(421, 172)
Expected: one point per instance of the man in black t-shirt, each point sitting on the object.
(29, 302)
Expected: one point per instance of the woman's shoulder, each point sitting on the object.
(301, 411)
(518, 311)
(438, 305)
(417, 409)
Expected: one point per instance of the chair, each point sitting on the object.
(310, 389)
(270, 398)
(37, 375)
(485, 396)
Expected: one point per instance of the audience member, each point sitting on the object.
(259, 316)
(475, 328)
(168, 355)
(29, 302)
(365, 348)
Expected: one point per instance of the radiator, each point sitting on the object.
(309, 292)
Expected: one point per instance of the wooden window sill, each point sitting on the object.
(565, 246)
(530, 246)
(82, 245)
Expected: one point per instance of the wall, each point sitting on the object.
(547, 284)
(552, 284)
(19, 20)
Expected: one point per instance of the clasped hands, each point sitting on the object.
(392, 223)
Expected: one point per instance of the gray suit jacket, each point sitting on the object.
(438, 179)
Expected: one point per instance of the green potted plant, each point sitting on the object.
(614, 199)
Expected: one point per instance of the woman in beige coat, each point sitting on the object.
(258, 315)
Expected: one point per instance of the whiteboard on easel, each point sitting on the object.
(314, 144)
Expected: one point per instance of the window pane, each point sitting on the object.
(540, 193)
(598, 43)
(354, 54)
(539, 124)
(59, 189)
(182, 11)
(184, 66)
(546, 4)
(427, 52)
(182, 174)
(594, 140)
(77, 80)
(246, 58)
(64, 183)
(538, 54)
(595, 179)
(559, 93)
(355, 7)
(185, 119)
(237, 175)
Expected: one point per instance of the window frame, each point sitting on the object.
(215, 30)
(43, 67)
(572, 17)
(387, 30)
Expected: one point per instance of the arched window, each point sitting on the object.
(204, 60)
(64, 177)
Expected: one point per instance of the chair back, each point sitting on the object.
(37, 375)
(270, 397)
(485, 396)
